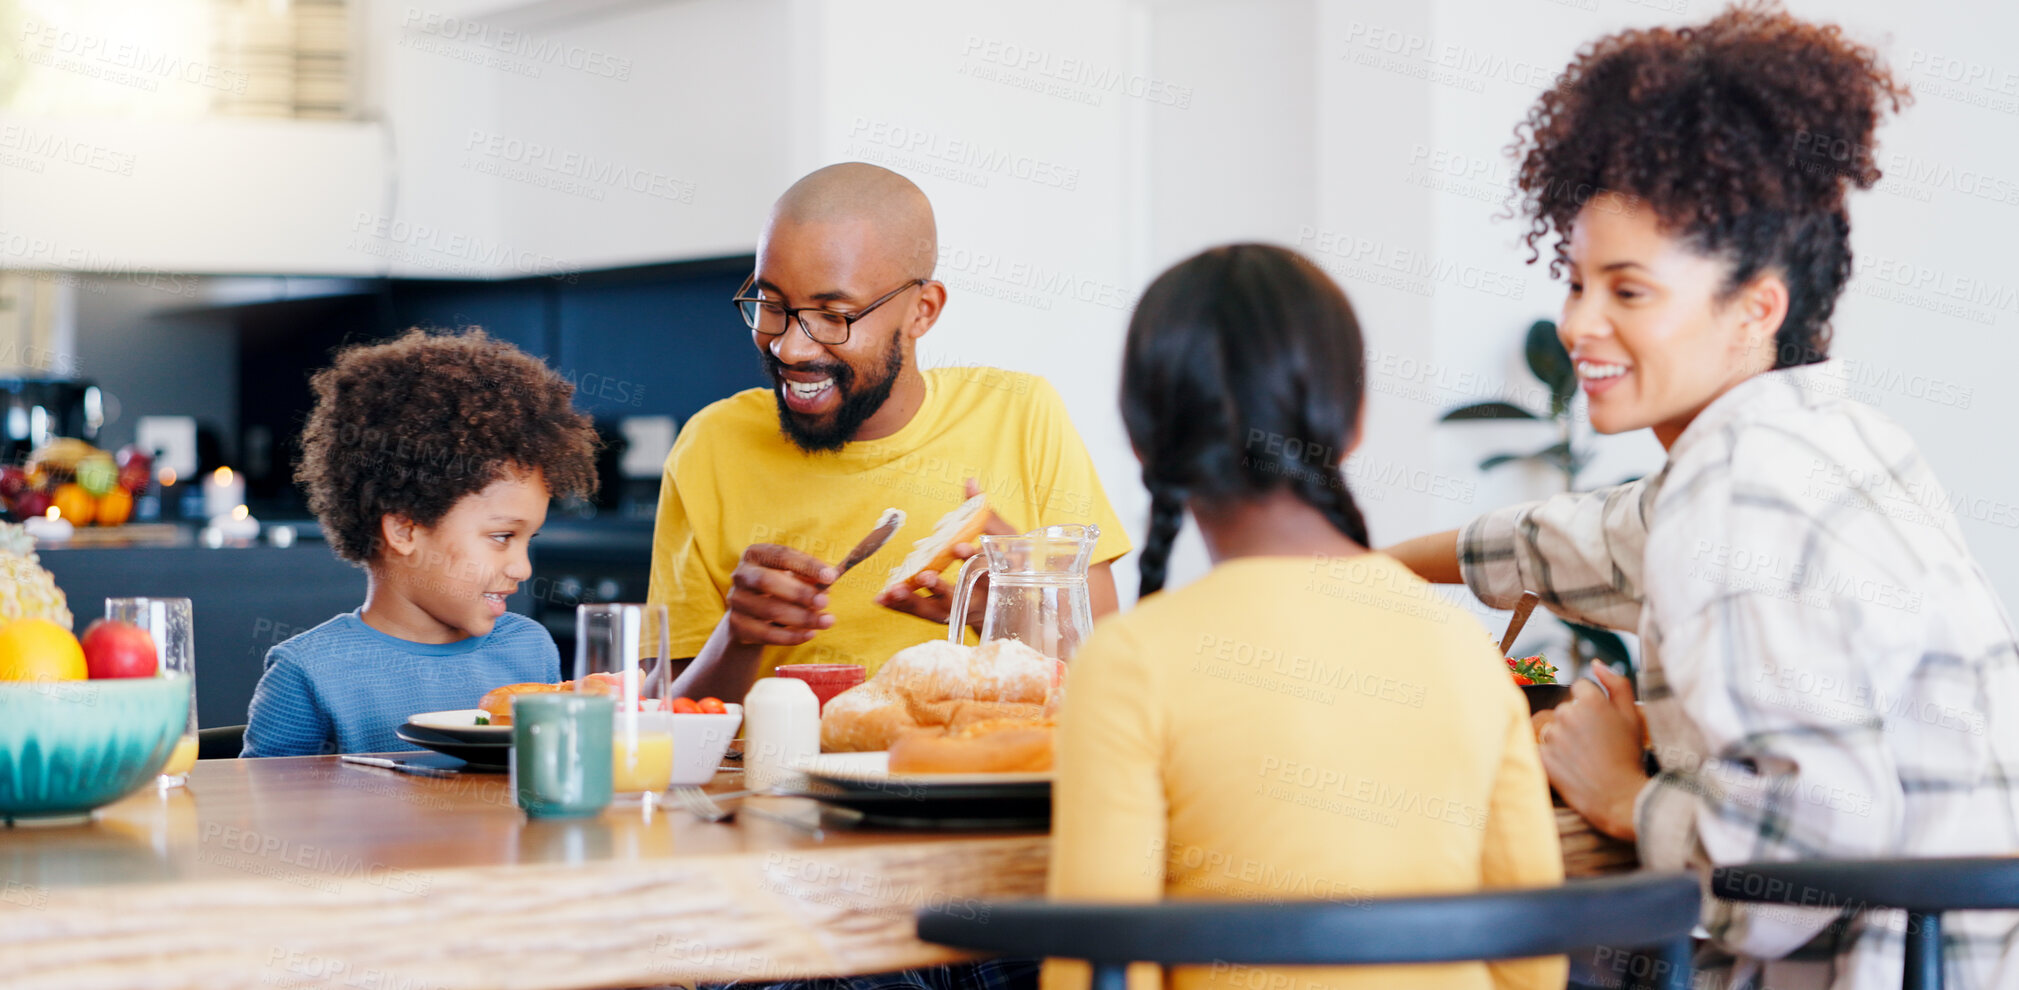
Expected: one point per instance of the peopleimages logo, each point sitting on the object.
(42, 146)
(433, 247)
(122, 62)
(1075, 78)
(1445, 62)
(593, 174)
(517, 44)
(978, 159)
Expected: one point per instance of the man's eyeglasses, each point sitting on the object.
(824, 326)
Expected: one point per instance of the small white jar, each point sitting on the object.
(781, 729)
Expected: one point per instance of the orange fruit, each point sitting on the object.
(76, 504)
(39, 650)
(115, 507)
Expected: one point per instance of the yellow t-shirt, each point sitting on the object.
(734, 479)
(1292, 728)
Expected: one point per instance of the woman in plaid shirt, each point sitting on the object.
(1826, 671)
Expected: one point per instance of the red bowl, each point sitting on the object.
(826, 679)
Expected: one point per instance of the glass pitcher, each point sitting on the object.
(1037, 589)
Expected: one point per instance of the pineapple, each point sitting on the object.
(27, 591)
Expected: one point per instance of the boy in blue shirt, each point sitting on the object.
(430, 461)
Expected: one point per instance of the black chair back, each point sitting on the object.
(1636, 911)
(222, 742)
(1924, 888)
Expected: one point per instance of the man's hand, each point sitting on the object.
(929, 597)
(776, 596)
(1591, 749)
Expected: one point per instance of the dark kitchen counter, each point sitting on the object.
(244, 599)
(248, 597)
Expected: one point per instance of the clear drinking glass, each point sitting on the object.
(620, 650)
(170, 622)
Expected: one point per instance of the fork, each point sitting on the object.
(701, 804)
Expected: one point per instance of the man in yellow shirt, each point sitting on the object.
(767, 490)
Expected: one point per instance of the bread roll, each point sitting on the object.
(993, 746)
(940, 685)
(498, 702)
(932, 554)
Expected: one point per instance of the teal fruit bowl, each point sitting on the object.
(70, 747)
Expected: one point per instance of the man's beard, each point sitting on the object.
(856, 407)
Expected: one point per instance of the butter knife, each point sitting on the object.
(401, 766)
(1521, 612)
(887, 526)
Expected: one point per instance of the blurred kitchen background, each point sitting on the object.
(199, 199)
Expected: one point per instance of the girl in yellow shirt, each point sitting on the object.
(1307, 721)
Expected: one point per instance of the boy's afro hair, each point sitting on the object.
(410, 426)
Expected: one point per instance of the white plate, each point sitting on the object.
(462, 723)
(874, 768)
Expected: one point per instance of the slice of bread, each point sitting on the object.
(964, 524)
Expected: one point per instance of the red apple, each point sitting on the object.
(13, 481)
(118, 649)
(32, 502)
(136, 469)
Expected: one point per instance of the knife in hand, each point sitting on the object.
(887, 526)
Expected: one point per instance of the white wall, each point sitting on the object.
(1236, 157)
(142, 198)
(1929, 327)
(1916, 361)
(659, 131)
(1041, 217)
(1073, 150)
(1302, 125)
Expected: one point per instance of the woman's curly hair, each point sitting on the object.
(410, 426)
(1740, 135)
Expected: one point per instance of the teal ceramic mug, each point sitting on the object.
(561, 753)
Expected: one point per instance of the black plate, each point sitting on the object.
(979, 807)
(487, 756)
(913, 791)
(1035, 818)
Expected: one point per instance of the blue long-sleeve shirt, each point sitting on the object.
(343, 687)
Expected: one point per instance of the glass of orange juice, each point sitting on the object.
(169, 622)
(619, 651)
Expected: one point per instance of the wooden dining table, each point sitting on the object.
(307, 871)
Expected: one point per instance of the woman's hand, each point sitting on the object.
(1591, 749)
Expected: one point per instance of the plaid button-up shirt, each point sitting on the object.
(1826, 671)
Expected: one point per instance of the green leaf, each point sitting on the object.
(1557, 455)
(1487, 410)
(1551, 363)
(1536, 668)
